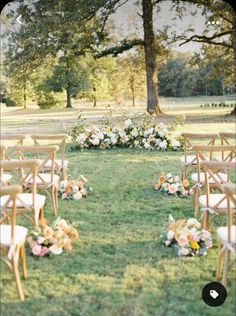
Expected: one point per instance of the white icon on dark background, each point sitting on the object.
(214, 294)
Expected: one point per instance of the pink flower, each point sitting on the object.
(36, 250)
(44, 251)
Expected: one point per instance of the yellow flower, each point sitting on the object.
(194, 245)
(108, 130)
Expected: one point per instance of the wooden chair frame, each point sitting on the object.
(27, 169)
(15, 251)
(49, 153)
(225, 141)
(212, 170)
(227, 248)
(204, 153)
(10, 149)
(187, 167)
(8, 177)
(60, 141)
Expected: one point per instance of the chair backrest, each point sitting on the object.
(27, 169)
(58, 139)
(227, 138)
(212, 170)
(2, 152)
(192, 139)
(206, 153)
(45, 154)
(10, 192)
(11, 141)
(230, 190)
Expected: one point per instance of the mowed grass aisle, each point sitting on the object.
(119, 265)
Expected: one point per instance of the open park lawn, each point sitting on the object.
(119, 265)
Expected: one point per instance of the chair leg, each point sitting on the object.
(219, 264)
(64, 173)
(54, 202)
(56, 197)
(17, 279)
(195, 201)
(226, 267)
(205, 220)
(23, 261)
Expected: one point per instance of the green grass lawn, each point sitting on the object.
(119, 265)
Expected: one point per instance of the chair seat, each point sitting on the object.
(194, 177)
(222, 233)
(219, 158)
(44, 179)
(6, 177)
(214, 199)
(25, 199)
(190, 159)
(58, 164)
(20, 234)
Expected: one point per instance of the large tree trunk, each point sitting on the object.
(150, 58)
(68, 97)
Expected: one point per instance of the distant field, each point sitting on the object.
(17, 120)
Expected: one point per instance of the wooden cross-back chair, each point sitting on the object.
(208, 153)
(46, 181)
(61, 164)
(227, 236)
(13, 237)
(189, 160)
(5, 177)
(226, 138)
(11, 141)
(213, 204)
(29, 204)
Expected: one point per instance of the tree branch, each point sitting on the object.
(116, 50)
(207, 39)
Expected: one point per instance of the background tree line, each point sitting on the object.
(70, 50)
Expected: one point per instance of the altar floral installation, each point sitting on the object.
(169, 184)
(187, 237)
(47, 240)
(146, 135)
(74, 189)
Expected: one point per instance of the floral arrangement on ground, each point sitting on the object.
(74, 189)
(141, 135)
(187, 237)
(46, 240)
(172, 185)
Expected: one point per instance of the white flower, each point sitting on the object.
(163, 144)
(167, 242)
(170, 218)
(169, 175)
(134, 132)
(175, 143)
(148, 131)
(170, 234)
(64, 196)
(40, 240)
(95, 141)
(83, 191)
(158, 141)
(193, 222)
(128, 123)
(55, 250)
(113, 140)
(77, 196)
(183, 251)
(162, 132)
(147, 146)
(100, 135)
(81, 138)
(122, 133)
